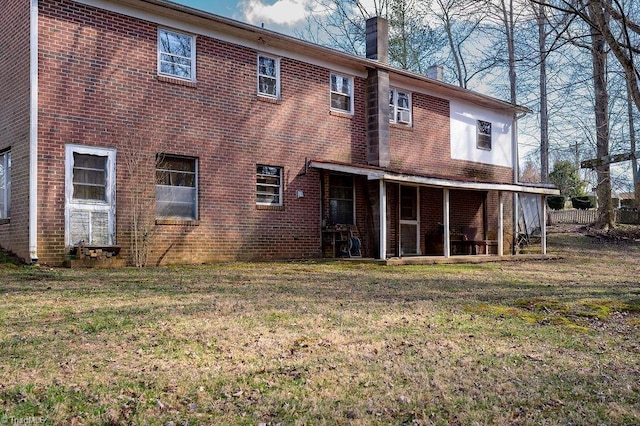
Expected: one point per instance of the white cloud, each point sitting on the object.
(280, 12)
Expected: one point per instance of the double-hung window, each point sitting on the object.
(399, 107)
(341, 206)
(484, 135)
(341, 93)
(268, 76)
(176, 55)
(268, 185)
(176, 187)
(5, 184)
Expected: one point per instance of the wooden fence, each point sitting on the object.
(585, 217)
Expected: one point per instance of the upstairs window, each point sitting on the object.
(399, 107)
(341, 93)
(176, 187)
(341, 206)
(268, 185)
(484, 135)
(176, 55)
(268, 76)
(5, 184)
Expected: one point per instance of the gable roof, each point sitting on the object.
(284, 42)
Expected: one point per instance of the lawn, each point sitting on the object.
(536, 342)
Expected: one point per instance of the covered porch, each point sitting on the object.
(404, 217)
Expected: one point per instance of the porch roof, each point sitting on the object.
(377, 173)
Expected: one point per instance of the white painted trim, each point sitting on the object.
(351, 92)
(110, 190)
(544, 225)
(376, 174)
(500, 224)
(394, 107)
(383, 219)
(280, 187)
(415, 222)
(33, 132)
(277, 77)
(446, 203)
(193, 56)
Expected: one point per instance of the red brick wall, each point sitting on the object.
(99, 88)
(14, 120)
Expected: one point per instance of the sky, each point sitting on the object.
(278, 15)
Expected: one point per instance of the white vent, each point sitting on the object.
(89, 227)
(404, 117)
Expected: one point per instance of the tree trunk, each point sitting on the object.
(544, 116)
(606, 217)
(632, 140)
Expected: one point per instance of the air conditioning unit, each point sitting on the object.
(404, 117)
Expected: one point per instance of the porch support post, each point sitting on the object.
(383, 219)
(543, 224)
(500, 224)
(445, 216)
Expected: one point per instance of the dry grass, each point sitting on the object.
(304, 343)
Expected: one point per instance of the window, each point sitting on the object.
(89, 177)
(5, 184)
(484, 135)
(176, 189)
(176, 55)
(341, 200)
(268, 185)
(341, 93)
(268, 76)
(399, 107)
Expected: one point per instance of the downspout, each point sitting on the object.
(33, 132)
(516, 177)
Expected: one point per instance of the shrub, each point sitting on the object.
(555, 202)
(583, 203)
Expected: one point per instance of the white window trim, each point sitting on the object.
(393, 113)
(280, 187)
(6, 194)
(192, 38)
(196, 178)
(277, 77)
(478, 133)
(351, 95)
(109, 204)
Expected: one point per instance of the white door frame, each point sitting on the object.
(415, 222)
(72, 204)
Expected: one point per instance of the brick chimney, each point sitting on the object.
(436, 72)
(378, 146)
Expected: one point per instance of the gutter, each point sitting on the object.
(33, 132)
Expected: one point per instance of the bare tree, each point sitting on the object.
(412, 40)
(460, 21)
(139, 159)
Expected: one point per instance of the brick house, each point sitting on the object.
(131, 122)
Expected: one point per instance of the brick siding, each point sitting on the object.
(14, 120)
(99, 87)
